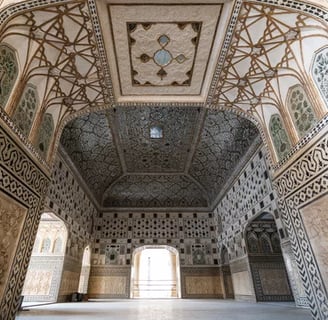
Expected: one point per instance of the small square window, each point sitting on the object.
(156, 132)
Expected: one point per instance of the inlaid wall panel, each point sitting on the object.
(201, 282)
(22, 187)
(118, 234)
(301, 183)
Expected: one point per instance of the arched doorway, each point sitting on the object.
(155, 272)
(267, 264)
(44, 273)
(85, 270)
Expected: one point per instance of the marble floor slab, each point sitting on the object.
(178, 309)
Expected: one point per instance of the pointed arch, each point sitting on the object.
(279, 136)
(301, 110)
(265, 244)
(26, 109)
(8, 73)
(253, 243)
(45, 247)
(58, 245)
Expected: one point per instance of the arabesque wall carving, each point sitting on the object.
(299, 184)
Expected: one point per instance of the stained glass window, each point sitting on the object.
(26, 109)
(279, 136)
(320, 72)
(301, 110)
(8, 73)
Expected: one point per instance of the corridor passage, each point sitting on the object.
(166, 310)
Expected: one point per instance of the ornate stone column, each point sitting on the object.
(301, 184)
(23, 184)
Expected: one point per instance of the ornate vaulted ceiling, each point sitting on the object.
(158, 56)
(168, 65)
(125, 167)
(161, 49)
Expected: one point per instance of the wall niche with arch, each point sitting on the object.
(266, 261)
(45, 269)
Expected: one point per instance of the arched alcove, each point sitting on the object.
(155, 272)
(270, 277)
(46, 265)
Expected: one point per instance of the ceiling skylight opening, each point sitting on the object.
(156, 132)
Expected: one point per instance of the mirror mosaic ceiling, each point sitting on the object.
(187, 167)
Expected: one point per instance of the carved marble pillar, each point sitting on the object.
(23, 184)
(300, 183)
(293, 275)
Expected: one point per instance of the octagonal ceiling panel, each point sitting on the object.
(167, 51)
(141, 152)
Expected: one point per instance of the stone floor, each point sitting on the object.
(166, 310)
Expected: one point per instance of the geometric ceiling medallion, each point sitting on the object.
(163, 60)
(162, 52)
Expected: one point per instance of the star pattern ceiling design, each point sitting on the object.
(59, 54)
(267, 55)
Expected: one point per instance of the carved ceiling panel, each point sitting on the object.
(165, 62)
(89, 143)
(141, 152)
(160, 191)
(161, 50)
(225, 138)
